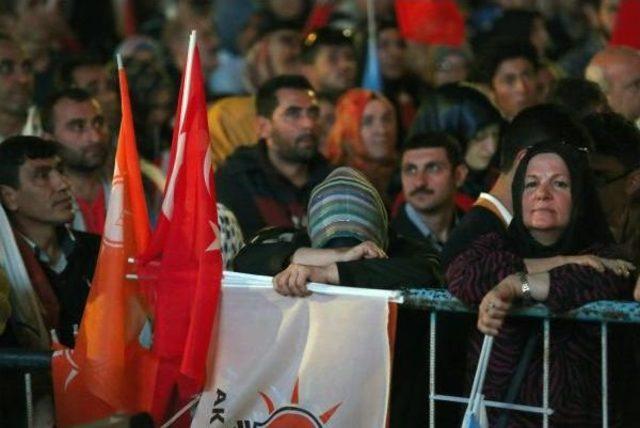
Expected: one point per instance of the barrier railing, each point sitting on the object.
(434, 301)
(604, 312)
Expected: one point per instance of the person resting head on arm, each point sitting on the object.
(347, 242)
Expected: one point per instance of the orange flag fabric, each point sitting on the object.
(109, 371)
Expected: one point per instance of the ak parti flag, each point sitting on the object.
(184, 256)
(438, 22)
(108, 371)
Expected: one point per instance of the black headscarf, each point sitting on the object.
(587, 225)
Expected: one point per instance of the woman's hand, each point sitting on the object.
(496, 304)
(293, 280)
(365, 250)
(617, 266)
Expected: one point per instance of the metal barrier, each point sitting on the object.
(434, 301)
(603, 312)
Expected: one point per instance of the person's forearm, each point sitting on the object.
(315, 256)
(543, 265)
(325, 274)
(538, 285)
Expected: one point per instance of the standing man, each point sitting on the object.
(268, 184)
(16, 87)
(432, 170)
(74, 120)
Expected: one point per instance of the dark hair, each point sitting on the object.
(267, 99)
(539, 123)
(46, 114)
(14, 152)
(325, 36)
(515, 24)
(499, 50)
(580, 96)
(457, 109)
(435, 139)
(615, 136)
(64, 73)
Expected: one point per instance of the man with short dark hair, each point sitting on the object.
(509, 69)
(74, 120)
(16, 87)
(432, 170)
(92, 74)
(35, 193)
(329, 61)
(268, 184)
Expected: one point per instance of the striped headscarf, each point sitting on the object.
(346, 205)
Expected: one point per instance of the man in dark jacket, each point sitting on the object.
(268, 184)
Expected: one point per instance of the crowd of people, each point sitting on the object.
(505, 168)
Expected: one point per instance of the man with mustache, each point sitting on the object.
(16, 87)
(268, 184)
(74, 120)
(432, 170)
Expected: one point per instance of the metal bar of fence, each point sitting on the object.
(607, 311)
(432, 369)
(495, 404)
(605, 376)
(545, 373)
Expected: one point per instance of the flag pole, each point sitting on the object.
(187, 78)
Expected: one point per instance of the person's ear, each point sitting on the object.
(632, 185)
(263, 127)
(519, 156)
(9, 197)
(460, 174)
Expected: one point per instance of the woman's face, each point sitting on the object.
(378, 130)
(481, 148)
(546, 199)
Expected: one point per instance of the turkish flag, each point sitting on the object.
(183, 259)
(437, 22)
(109, 371)
(626, 31)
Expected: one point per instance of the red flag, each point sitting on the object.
(436, 22)
(626, 31)
(319, 16)
(184, 254)
(109, 371)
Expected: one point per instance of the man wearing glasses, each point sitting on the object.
(268, 184)
(16, 87)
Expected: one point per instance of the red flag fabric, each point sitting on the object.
(109, 371)
(438, 22)
(626, 31)
(319, 16)
(184, 254)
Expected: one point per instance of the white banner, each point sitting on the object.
(320, 361)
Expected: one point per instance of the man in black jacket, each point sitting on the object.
(268, 184)
(36, 196)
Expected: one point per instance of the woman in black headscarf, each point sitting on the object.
(558, 250)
